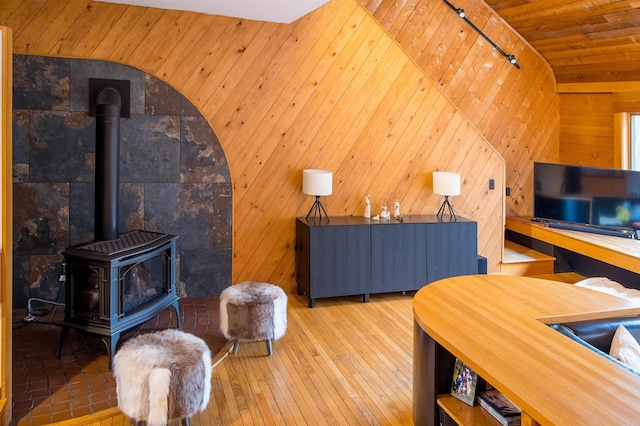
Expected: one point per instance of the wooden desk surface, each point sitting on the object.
(617, 251)
(496, 324)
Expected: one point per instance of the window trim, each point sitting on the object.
(622, 140)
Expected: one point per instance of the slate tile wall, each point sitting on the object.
(174, 176)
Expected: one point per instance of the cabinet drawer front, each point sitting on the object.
(340, 261)
(452, 250)
(398, 257)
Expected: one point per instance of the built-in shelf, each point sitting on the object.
(464, 414)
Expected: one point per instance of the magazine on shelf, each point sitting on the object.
(500, 407)
(464, 383)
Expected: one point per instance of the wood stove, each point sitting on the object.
(115, 285)
(117, 281)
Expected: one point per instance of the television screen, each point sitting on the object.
(587, 195)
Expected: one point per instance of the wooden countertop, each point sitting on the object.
(621, 252)
(497, 325)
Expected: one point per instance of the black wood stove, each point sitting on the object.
(118, 281)
(115, 285)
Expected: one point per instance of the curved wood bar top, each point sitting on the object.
(496, 324)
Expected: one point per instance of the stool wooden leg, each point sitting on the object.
(236, 345)
(185, 422)
(269, 347)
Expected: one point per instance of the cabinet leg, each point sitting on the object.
(365, 297)
(312, 302)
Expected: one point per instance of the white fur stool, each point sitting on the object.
(163, 376)
(253, 311)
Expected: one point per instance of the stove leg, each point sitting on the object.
(63, 334)
(110, 342)
(177, 309)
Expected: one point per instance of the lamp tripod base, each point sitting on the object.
(447, 205)
(317, 210)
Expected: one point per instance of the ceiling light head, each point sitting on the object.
(460, 12)
(512, 59)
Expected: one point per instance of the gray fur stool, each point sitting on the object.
(253, 311)
(163, 376)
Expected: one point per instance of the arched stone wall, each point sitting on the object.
(174, 175)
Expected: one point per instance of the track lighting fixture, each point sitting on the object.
(461, 13)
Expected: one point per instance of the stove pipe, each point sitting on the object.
(108, 105)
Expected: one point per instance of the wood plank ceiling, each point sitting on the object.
(584, 41)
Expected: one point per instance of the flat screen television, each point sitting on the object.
(587, 198)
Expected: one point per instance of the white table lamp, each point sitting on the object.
(317, 182)
(447, 184)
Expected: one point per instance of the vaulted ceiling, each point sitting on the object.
(282, 11)
(584, 41)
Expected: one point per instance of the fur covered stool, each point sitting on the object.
(163, 376)
(253, 311)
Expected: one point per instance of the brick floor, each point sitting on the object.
(47, 389)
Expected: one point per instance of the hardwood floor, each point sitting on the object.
(343, 362)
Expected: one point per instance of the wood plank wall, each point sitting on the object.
(626, 102)
(332, 90)
(516, 110)
(586, 129)
(594, 120)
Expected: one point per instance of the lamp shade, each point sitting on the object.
(446, 183)
(317, 182)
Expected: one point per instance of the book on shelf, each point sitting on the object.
(464, 383)
(500, 407)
